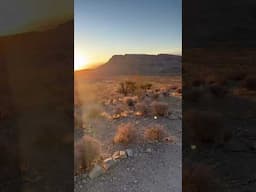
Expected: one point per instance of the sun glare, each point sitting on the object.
(81, 62)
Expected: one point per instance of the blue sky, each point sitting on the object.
(107, 27)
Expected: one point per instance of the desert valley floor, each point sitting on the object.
(153, 166)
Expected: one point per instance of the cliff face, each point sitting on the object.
(140, 64)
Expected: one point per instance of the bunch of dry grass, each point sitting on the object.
(193, 94)
(179, 90)
(199, 177)
(130, 101)
(205, 127)
(156, 133)
(250, 83)
(142, 108)
(125, 134)
(127, 87)
(218, 90)
(159, 108)
(87, 150)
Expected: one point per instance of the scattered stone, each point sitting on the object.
(119, 155)
(193, 147)
(168, 139)
(123, 155)
(148, 150)
(108, 163)
(129, 152)
(96, 171)
(116, 155)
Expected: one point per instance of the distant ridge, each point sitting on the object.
(141, 64)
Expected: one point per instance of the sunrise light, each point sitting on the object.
(81, 62)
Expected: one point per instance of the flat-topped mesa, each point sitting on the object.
(141, 64)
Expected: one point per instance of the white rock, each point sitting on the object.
(108, 163)
(123, 155)
(129, 152)
(148, 150)
(96, 171)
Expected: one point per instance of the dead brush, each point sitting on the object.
(125, 134)
(199, 177)
(142, 108)
(127, 87)
(159, 108)
(205, 127)
(155, 134)
(179, 90)
(130, 101)
(87, 150)
(249, 83)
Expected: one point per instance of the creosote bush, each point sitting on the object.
(127, 87)
(199, 177)
(146, 86)
(159, 108)
(156, 133)
(205, 127)
(142, 107)
(125, 134)
(250, 83)
(130, 101)
(87, 150)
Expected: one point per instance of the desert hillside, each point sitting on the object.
(141, 64)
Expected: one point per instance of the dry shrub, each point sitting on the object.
(87, 150)
(173, 87)
(198, 82)
(205, 127)
(159, 108)
(199, 177)
(146, 86)
(250, 83)
(156, 133)
(237, 76)
(127, 87)
(193, 95)
(142, 107)
(125, 134)
(218, 90)
(179, 90)
(130, 101)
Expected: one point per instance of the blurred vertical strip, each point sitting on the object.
(10, 163)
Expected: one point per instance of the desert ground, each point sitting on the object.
(103, 110)
(219, 120)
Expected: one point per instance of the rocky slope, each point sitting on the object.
(141, 64)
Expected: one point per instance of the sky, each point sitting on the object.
(18, 16)
(108, 27)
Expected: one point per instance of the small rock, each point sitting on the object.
(123, 155)
(148, 150)
(116, 155)
(96, 171)
(108, 163)
(129, 152)
(193, 147)
(119, 155)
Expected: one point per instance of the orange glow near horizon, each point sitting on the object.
(81, 62)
